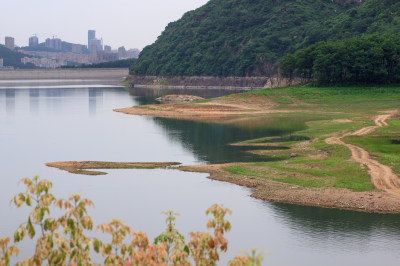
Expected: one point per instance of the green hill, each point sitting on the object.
(249, 37)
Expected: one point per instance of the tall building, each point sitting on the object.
(33, 41)
(121, 52)
(97, 44)
(91, 36)
(9, 41)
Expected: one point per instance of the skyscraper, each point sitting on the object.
(9, 41)
(91, 36)
(33, 41)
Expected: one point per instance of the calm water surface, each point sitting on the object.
(45, 124)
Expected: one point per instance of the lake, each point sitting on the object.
(47, 123)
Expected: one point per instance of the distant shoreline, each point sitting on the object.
(118, 74)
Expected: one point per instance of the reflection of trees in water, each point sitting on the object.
(336, 225)
(209, 141)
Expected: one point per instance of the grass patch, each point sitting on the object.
(302, 181)
(332, 170)
(321, 165)
(241, 170)
(355, 99)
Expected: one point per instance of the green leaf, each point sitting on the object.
(186, 249)
(30, 228)
(97, 245)
(17, 237)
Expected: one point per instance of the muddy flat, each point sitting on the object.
(219, 109)
(80, 167)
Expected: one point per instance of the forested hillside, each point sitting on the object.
(362, 59)
(249, 37)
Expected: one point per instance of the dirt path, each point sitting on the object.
(382, 176)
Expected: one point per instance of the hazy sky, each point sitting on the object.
(129, 23)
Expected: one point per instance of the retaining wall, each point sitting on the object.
(82, 73)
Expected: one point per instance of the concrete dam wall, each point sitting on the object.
(79, 73)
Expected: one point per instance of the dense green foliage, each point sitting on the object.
(13, 58)
(248, 37)
(124, 63)
(367, 59)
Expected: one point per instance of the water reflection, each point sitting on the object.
(95, 96)
(34, 95)
(10, 101)
(327, 227)
(210, 141)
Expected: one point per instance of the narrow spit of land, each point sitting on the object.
(80, 167)
(382, 176)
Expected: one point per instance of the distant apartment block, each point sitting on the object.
(33, 41)
(96, 44)
(121, 52)
(132, 53)
(77, 48)
(105, 57)
(9, 43)
(53, 43)
(42, 62)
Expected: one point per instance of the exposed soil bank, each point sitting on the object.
(78, 167)
(217, 109)
(371, 201)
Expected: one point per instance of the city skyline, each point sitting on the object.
(129, 23)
